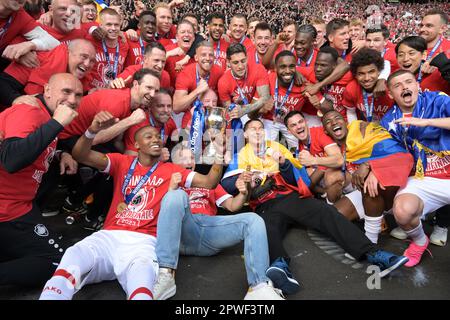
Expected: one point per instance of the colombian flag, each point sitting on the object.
(267, 166)
(422, 140)
(389, 161)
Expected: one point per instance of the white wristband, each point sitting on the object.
(89, 134)
(322, 100)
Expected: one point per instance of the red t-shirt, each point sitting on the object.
(295, 101)
(131, 70)
(115, 101)
(443, 47)
(17, 190)
(305, 60)
(187, 79)
(253, 58)
(319, 141)
(20, 23)
(247, 43)
(353, 98)
(102, 71)
(136, 52)
(220, 58)
(228, 86)
(142, 212)
(334, 92)
(206, 201)
(434, 82)
(128, 137)
(80, 33)
(171, 63)
(390, 56)
(438, 167)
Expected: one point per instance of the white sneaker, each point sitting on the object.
(264, 291)
(439, 236)
(399, 233)
(165, 287)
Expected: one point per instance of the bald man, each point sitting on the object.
(77, 58)
(29, 251)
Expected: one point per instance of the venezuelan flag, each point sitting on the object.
(421, 141)
(376, 143)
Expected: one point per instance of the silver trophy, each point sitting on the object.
(216, 124)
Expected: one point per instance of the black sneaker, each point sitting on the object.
(282, 277)
(69, 207)
(94, 224)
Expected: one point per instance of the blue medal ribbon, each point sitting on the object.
(368, 108)
(5, 28)
(217, 54)
(256, 57)
(141, 182)
(308, 62)
(285, 97)
(153, 124)
(116, 58)
(198, 121)
(383, 53)
(436, 46)
(141, 43)
(236, 124)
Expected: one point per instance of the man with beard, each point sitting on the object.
(286, 85)
(76, 58)
(30, 252)
(420, 121)
(262, 40)
(376, 167)
(216, 28)
(284, 199)
(154, 59)
(196, 78)
(432, 28)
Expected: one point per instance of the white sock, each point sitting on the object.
(58, 288)
(417, 235)
(372, 226)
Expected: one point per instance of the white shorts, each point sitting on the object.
(355, 198)
(273, 128)
(434, 193)
(115, 251)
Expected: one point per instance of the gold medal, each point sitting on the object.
(121, 207)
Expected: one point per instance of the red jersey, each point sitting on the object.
(295, 101)
(444, 46)
(308, 61)
(115, 101)
(141, 214)
(206, 201)
(169, 35)
(187, 79)
(18, 23)
(17, 190)
(319, 140)
(220, 53)
(131, 70)
(128, 137)
(136, 52)
(229, 87)
(247, 43)
(438, 167)
(389, 55)
(434, 82)
(104, 70)
(171, 63)
(353, 98)
(253, 58)
(79, 33)
(334, 92)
